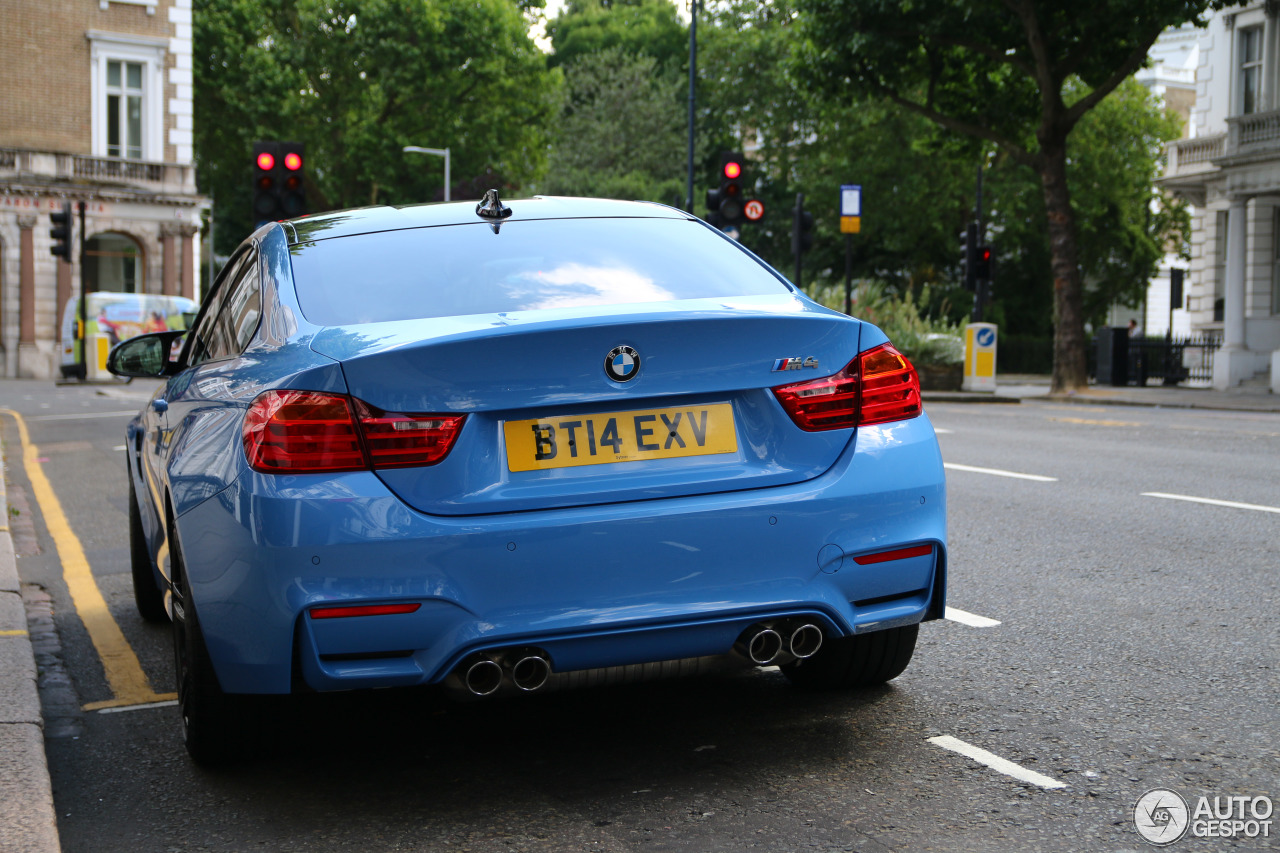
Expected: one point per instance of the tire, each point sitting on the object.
(215, 725)
(863, 660)
(146, 593)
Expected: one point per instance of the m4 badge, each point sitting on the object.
(794, 363)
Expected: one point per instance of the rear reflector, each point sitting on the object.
(308, 432)
(345, 610)
(878, 386)
(889, 556)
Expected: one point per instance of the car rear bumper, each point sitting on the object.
(597, 586)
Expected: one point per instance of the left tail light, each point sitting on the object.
(878, 386)
(309, 432)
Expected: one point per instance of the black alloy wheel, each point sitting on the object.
(215, 724)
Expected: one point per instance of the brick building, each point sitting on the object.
(96, 107)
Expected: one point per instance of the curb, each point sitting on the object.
(966, 397)
(28, 823)
(1220, 401)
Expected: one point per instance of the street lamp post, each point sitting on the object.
(439, 152)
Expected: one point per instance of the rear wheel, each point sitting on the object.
(146, 593)
(862, 660)
(215, 725)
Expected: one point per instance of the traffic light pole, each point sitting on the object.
(795, 239)
(848, 274)
(982, 287)
(82, 365)
(693, 77)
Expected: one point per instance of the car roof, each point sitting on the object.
(366, 220)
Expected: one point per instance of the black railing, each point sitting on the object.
(1122, 360)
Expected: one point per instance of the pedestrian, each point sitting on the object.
(1135, 331)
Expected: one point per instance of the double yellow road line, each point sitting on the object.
(128, 683)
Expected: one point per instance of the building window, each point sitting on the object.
(1250, 70)
(125, 93)
(1275, 260)
(128, 95)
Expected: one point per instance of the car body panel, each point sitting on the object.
(273, 547)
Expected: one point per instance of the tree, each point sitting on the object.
(1020, 74)
(648, 27)
(919, 184)
(1125, 225)
(356, 81)
(620, 131)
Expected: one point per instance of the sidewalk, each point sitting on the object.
(27, 820)
(1016, 388)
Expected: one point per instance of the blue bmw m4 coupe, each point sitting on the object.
(503, 447)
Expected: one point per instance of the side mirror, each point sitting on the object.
(145, 355)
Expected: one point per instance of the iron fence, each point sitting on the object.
(1122, 360)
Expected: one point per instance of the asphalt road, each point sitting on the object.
(1136, 647)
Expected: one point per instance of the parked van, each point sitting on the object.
(114, 317)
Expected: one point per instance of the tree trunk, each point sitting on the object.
(1070, 366)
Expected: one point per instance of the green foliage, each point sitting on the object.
(356, 80)
(920, 337)
(1124, 226)
(648, 27)
(621, 133)
(1020, 75)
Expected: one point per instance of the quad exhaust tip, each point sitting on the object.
(530, 672)
(770, 644)
(764, 646)
(805, 641)
(484, 674)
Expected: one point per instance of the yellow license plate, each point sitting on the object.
(565, 442)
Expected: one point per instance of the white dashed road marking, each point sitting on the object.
(1212, 502)
(996, 472)
(973, 620)
(995, 762)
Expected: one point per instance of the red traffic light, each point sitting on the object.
(984, 254)
(293, 161)
(732, 170)
(266, 161)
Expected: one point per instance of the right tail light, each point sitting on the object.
(877, 387)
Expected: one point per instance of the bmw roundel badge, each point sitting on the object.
(622, 364)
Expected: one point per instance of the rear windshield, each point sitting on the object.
(529, 265)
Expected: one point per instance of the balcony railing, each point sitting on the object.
(1194, 156)
(1254, 133)
(135, 174)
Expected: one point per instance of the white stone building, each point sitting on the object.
(1229, 169)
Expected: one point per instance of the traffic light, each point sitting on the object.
(279, 185)
(61, 232)
(293, 195)
(727, 203)
(983, 257)
(969, 256)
